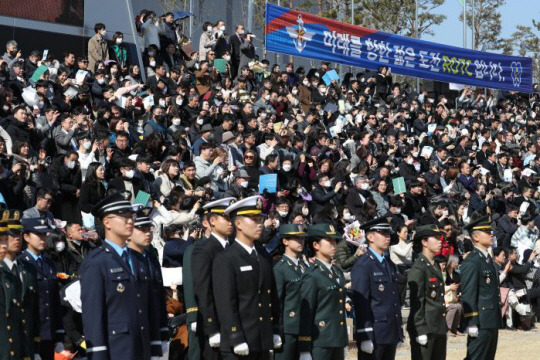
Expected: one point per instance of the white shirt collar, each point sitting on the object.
(294, 260)
(485, 253)
(222, 241)
(10, 263)
(248, 249)
(329, 266)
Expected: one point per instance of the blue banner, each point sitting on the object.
(301, 34)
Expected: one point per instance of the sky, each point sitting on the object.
(450, 32)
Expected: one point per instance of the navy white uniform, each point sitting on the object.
(376, 301)
(117, 308)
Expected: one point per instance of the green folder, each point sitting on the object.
(142, 198)
(220, 65)
(399, 185)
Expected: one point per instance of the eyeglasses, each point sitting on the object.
(211, 54)
(249, 157)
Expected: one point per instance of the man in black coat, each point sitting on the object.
(324, 194)
(207, 325)
(248, 310)
(415, 201)
(35, 231)
(20, 129)
(506, 227)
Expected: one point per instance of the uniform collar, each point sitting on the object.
(247, 248)
(34, 256)
(485, 253)
(221, 240)
(9, 263)
(119, 250)
(294, 260)
(377, 255)
(327, 265)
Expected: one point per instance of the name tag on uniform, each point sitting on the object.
(116, 270)
(378, 274)
(246, 268)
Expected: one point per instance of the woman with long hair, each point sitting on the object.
(92, 189)
(167, 179)
(119, 52)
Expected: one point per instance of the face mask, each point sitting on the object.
(103, 32)
(287, 167)
(348, 217)
(267, 97)
(101, 81)
(222, 28)
(152, 63)
(179, 102)
(417, 167)
(305, 82)
(327, 183)
(209, 29)
(60, 246)
(364, 186)
(200, 121)
(321, 112)
(322, 90)
(482, 192)
(263, 115)
(160, 119)
(474, 147)
(410, 161)
(445, 212)
(294, 91)
(176, 122)
(119, 40)
(241, 32)
(283, 213)
(227, 58)
(415, 154)
(71, 164)
(244, 184)
(398, 211)
(305, 211)
(162, 102)
(87, 145)
(129, 174)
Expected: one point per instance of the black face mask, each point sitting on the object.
(160, 119)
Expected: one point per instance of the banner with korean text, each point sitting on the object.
(301, 34)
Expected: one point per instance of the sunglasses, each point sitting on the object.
(249, 157)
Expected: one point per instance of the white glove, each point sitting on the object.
(422, 339)
(521, 293)
(214, 340)
(367, 346)
(193, 326)
(277, 341)
(37, 357)
(164, 347)
(241, 349)
(305, 356)
(473, 331)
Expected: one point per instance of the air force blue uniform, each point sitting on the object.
(117, 307)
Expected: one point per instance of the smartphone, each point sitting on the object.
(45, 54)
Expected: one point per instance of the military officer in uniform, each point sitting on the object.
(288, 272)
(376, 296)
(427, 318)
(323, 329)
(202, 259)
(22, 320)
(242, 278)
(11, 332)
(140, 242)
(118, 319)
(480, 293)
(51, 333)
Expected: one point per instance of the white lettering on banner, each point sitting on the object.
(404, 56)
(356, 46)
(491, 69)
(381, 47)
(329, 38)
(343, 43)
(435, 59)
(427, 60)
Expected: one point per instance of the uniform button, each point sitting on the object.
(23, 321)
(47, 318)
(268, 291)
(140, 311)
(47, 291)
(142, 327)
(269, 305)
(260, 305)
(12, 353)
(138, 295)
(46, 304)
(341, 323)
(10, 340)
(261, 319)
(271, 318)
(9, 328)
(22, 310)
(341, 311)
(341, 301)
(114, 332)
(340, 290)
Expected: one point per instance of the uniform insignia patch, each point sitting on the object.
(116, 270)
(292, 314)
(433, 294)
(488, 281)
(120, 288)
(381, 288)
(322, 323)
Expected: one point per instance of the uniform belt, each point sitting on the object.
(192, 309)
(472, 314)
(304, 338)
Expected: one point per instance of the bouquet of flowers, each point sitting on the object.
(354, 235)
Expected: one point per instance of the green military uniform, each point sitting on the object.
(323, 329)
(18, 337)
(481, 298)
(428, 310)
(288, 273)
(194, 351)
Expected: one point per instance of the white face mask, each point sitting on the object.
(474, 147)
(287, 167)
(162, 102)
(87, 145)
(445, 212)
(60, 246)
(283, 213)
(103, 32)
(415, 154)
(71, 164)
(398, 211)
(129, 174)
(305, 211)
(222, 28)
(348, 217)
(152, 63)
(294, 91)
(244, 184)
(119, 40)
(305, 82)
(179, 102)
(200, 121)
(410, 161)
(267, 97)
(227, 58)
(176, 122)
(327, 183)
(322, 90)
(209, 29)
(364, 186)
(101, 81)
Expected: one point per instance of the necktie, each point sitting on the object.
(125, 257)
(40, 263)
(334, 273)
(254, 255)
